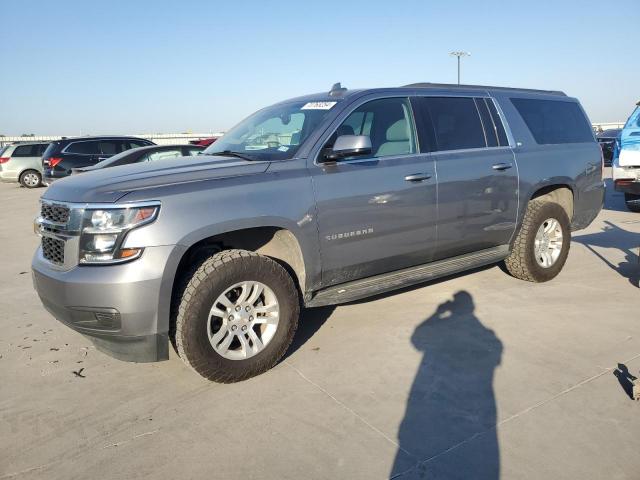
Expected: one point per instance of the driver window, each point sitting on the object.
(388, 122)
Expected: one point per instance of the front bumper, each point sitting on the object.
(116, 306)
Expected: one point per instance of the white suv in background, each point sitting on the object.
(626, 162)
(22, 163)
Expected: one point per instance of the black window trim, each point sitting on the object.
(475, 149)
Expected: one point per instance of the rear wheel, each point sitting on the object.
(542, 244)
(237, 316)
(632, 201)
(30, 179)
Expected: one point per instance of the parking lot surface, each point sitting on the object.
(476, 376)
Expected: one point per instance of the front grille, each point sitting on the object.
(55, 213)
(53, 250)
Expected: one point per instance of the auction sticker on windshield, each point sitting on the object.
(318, 105)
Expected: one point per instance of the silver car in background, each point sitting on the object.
(22, 163)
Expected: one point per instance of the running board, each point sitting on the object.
(366, 287)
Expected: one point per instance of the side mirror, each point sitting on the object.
(349, 146)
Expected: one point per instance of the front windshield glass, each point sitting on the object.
(273, 133)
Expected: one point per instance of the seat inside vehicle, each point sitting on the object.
(397, 140)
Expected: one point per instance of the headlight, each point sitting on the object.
(104, 230)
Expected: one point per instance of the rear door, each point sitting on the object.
(477, 173)
(372, 217)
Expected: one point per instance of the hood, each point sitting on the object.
(111, 184)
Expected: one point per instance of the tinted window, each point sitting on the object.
(85, 148)
(110, 147)
(553, 122)
(387, 122)
(456, 123)
(42, 148)
(51, 149)
(26, 151)
(497, 121)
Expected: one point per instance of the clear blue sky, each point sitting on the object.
(72, 67)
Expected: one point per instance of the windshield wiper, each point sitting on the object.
(230, 153)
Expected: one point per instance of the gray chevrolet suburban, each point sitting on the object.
(318, 200)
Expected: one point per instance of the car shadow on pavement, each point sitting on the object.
(449, 427)
(612, 236)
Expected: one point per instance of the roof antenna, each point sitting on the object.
(337, 90)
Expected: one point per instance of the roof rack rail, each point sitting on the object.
(487, 87)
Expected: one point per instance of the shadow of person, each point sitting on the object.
(448, 430)
(612, 236)
(625, 379)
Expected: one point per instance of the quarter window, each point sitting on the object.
(26, 151)
(554, 121)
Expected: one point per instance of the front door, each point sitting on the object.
(376, 213)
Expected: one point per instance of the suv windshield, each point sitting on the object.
(273, 133)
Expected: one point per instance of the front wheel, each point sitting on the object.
(30, 179)
(542, 244)
(237, 316)
(632, 201)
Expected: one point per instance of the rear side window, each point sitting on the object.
(456, 122)
(109, 147)
(26, 151)
(83, 148)
(554, 122)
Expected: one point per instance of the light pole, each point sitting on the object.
(459, 54)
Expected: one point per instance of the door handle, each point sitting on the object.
(102, 158)
(502, 166)
(417, 177)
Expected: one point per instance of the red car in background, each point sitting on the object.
(203, 142)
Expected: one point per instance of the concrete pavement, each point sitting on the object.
(476, 376)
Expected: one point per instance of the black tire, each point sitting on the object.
(27, 176)
(521, 262)
(632, 201)
(210, 280)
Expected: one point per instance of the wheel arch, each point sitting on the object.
(561, 193)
